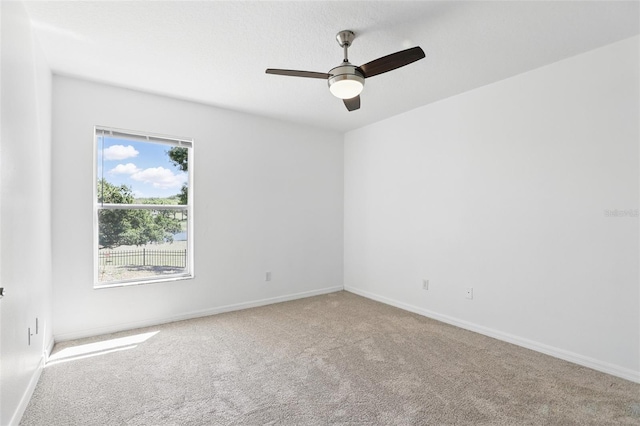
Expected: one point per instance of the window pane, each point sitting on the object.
(142, 244)
(130, 170)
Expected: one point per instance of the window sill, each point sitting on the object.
(130, 283)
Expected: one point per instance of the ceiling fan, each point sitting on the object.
(346, 81)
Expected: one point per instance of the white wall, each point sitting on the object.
(25, 226)
(268, 197)
(504, 189)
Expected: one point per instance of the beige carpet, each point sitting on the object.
(333, 359)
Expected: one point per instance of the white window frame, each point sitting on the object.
(154, 138)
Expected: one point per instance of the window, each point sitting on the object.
(143, 220)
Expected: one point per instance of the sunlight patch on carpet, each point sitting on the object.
(99, 348)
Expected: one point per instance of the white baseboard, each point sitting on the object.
(190, 315)
(573, 357)
(26, 396)
(48, 348)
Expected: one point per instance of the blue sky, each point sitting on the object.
(144, 167)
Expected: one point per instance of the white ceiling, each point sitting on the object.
(216, 52)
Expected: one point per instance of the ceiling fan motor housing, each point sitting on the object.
(346, 81)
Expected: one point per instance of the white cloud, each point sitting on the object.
(125, 169)
(120, 152)
(160, 177)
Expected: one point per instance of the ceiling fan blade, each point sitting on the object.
(353, 103)
(391, 62)
(294, 73)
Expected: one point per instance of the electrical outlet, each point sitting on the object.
(469, 294)
(425, 284)
(267, 276)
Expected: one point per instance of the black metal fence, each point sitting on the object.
(143, 257)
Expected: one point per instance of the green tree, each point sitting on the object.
(180, 158)
(131, 226)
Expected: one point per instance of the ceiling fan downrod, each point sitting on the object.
(345, 38)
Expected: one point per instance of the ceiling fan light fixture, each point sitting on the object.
(346, 82)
